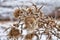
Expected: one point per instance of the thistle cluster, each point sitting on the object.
(35, 21)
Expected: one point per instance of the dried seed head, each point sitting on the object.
(31, 35)
(14, 33)
(29, 20)
(17, 13)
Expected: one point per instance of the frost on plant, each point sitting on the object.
(33, 19)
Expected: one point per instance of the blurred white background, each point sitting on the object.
(7, 6)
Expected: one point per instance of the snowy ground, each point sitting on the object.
(7, 7)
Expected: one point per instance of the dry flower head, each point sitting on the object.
(35, 19)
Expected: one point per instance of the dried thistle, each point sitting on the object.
(29, 20)
(34, 19)
(17, 13)
(14, 33)
(30, 36)
(30, 23)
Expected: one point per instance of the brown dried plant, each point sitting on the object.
(30, 36)
(14, 33)
(33, 19)
(16, 13)
(30, 23)
(49, 27)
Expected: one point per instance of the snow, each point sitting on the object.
(7, 7)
